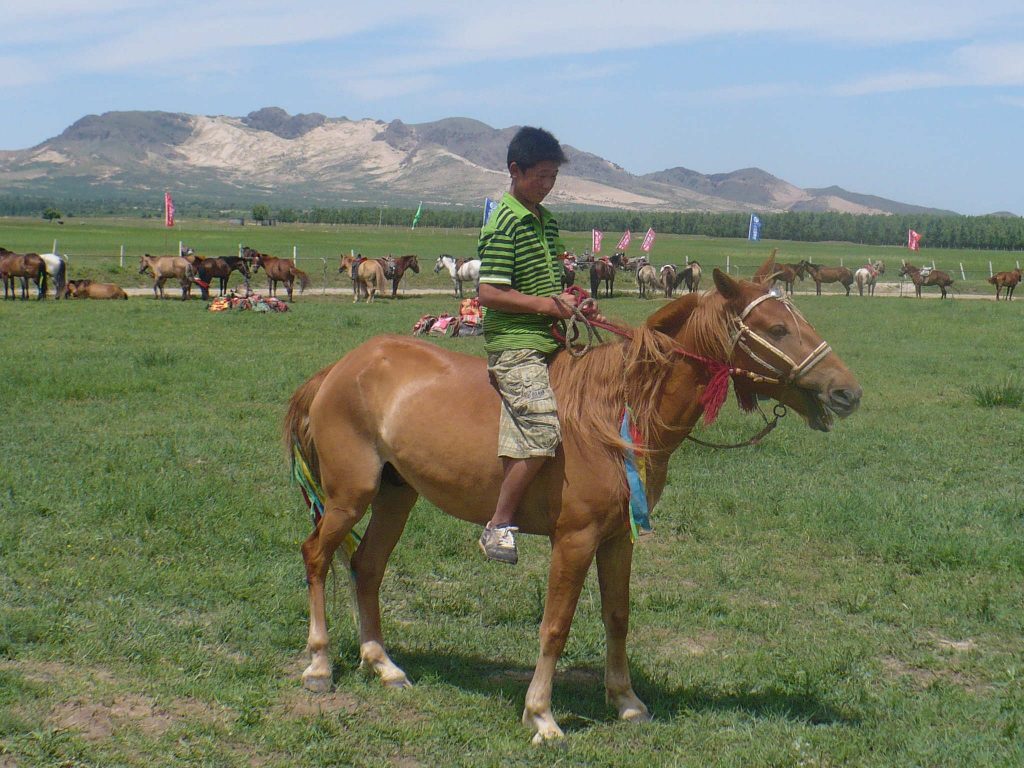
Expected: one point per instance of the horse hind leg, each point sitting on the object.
(391, 509)
(348, 492)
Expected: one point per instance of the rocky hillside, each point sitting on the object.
(306, 159)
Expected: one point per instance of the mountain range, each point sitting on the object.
(311, 159)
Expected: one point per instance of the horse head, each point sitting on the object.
(412, 263)
(773, 340)
(144, 263)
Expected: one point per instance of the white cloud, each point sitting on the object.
(976, 65)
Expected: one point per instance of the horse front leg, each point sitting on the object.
(614, 563)
(571, 556)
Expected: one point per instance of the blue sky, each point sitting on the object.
(921, 102)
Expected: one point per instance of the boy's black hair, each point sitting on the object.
(534, 145)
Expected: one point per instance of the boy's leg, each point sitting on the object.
(528, 435)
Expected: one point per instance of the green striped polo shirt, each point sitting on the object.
(518, 250)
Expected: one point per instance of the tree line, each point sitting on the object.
(937, 231)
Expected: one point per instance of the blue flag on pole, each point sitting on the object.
(489, 206)
(754, 230)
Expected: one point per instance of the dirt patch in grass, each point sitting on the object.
(922, 679)
(302, 703)
(97, 720)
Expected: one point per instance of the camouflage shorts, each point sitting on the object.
(529, 415)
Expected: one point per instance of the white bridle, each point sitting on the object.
(785, 368)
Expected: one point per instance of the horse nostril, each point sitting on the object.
(845, 399)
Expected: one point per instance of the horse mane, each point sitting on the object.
(593, 390)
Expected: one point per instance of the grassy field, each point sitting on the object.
(94, 248)
(846, 599)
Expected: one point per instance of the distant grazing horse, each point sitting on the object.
(690, 276)
(867, 276)
(602, 270)
(25, 266)
(56, 269)
(87, 289)
(278, 271)
(788, 274)
(164, 268)
(647, 281)
(820, 274)
(934, 277)
(1007, 280)
(668, 279)
(220, 267)
(620, 260)
(369, 280)
(460, 270)
(361, 437)
(395, 268)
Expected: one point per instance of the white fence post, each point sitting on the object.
(962, 275)
(727, 263)
(122, 257)
(295, 254)
(54, 251)
(990, 269)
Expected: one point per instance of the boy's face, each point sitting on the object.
(533, 185)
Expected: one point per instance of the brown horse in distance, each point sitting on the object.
(820, 274)
(220, 267)
(87, 289)
(395, 268)
(369, 280)
(1007, 280)
(788, 275)
(163, 268)
(26, 266)
(690, 276)
(934, 277)
(361, 428)
(602, 270)
(278, 271)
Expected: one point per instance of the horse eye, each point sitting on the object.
(778, 331)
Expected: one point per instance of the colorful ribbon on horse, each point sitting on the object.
(314, 500)
(636, 479)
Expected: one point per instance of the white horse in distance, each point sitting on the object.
(460, 270)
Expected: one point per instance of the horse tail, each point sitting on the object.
(297, 439)
(303, 279)
(60, 276)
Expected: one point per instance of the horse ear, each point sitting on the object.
(765, 271)
(671, 317)
(726, 286)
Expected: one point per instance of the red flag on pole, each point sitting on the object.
(913, 240)
(598, 236)
(648, 240)
(624, 241)
(168, 210)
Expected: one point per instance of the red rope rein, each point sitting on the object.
(717, 389)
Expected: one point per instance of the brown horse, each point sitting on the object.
(220, 267)
(668, 279)
(165, 267)
(26, 266)
(1007, 280)
(278, 271)
(820, 274)
(369, 280)
(934, 277)
(395, 268)
(788, 274)
(690, 276)
(602, 270)
(360, 427)
(87, 289)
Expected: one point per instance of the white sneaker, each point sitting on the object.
(500, 544)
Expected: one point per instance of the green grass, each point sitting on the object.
(1008, 393)
(844, 599)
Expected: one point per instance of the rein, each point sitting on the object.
(786, 372)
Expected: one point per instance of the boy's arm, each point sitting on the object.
(505, 298)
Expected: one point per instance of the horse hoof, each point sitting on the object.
(635, 714)
(316, 683)
(549, 739)
(397, 683)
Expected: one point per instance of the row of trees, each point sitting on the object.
(947, 231)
